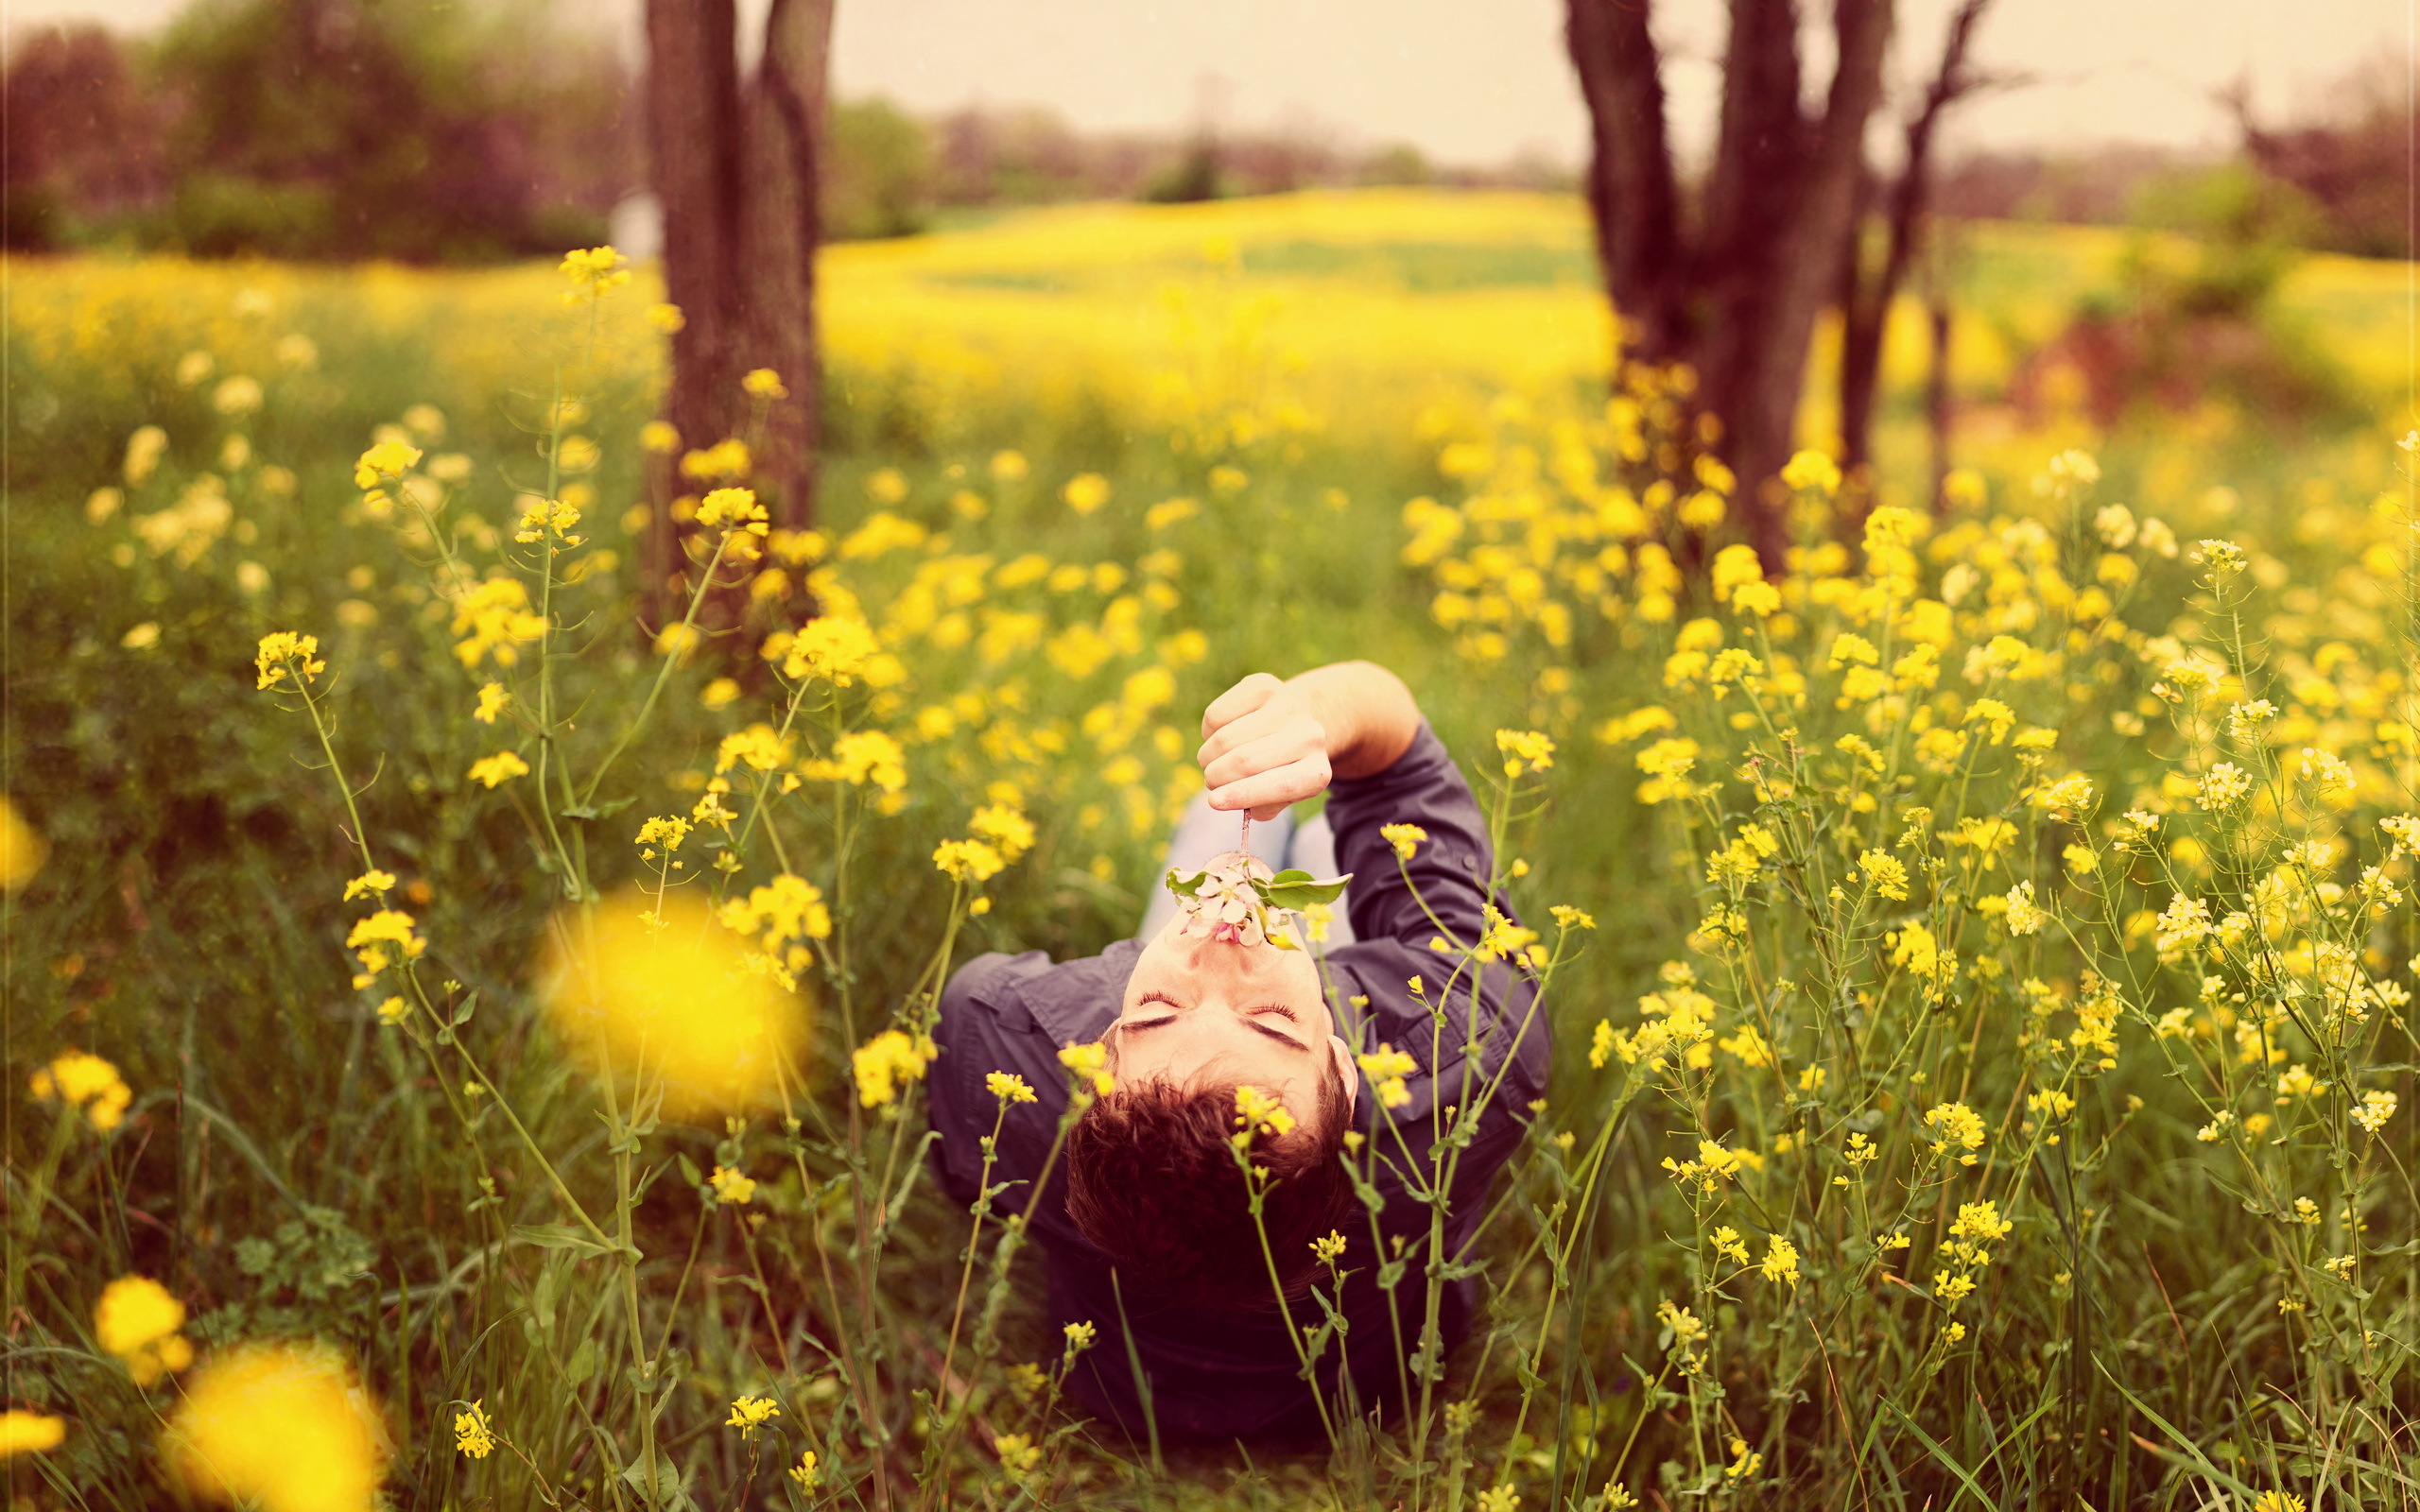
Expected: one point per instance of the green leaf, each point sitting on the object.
(689, 1171)
(583, 1362)
(463, 1010)
(1186, 885)
(1300, 890)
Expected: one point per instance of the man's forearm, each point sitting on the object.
(1370, 718)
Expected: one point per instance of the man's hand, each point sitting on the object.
(1264, 747)
(1267, 744)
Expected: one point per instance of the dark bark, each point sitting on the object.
(1866, 305)
(693, 137)
(1633, 198)
(787, 133)
(1737, 302)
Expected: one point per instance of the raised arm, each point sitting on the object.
(1267, 744)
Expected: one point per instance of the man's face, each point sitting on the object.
(1199, 1009)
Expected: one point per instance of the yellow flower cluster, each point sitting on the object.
(86, 1083)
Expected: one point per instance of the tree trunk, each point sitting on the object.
(1633, 198)
(1737, 302)
(1866, 308)
(787, 112)
(693, 136)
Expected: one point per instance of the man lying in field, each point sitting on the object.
(1146, 1219)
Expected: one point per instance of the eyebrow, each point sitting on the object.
(1137, 1026)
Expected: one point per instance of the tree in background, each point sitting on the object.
(1868, 289)
(2353, 159)
(1732, 288)
(84, 142)
(319, 129)
(738, 173)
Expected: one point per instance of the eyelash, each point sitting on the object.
(1289, 1014)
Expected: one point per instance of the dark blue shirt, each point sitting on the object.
(1220, 1375)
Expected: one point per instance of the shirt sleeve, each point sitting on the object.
(1450, 868)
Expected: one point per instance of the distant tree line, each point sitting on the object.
(318, 129)
(397, 128)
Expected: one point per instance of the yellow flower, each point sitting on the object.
(1524, 750)
(968, 859)
(1329, 1249)
(668, 833)
(394, 1010)
(1569, 917)
(86, 1082)
(886, 1063)
(736, 510)
(1085, 492)
(2278, 1501)
(1781, 1261)
(749, 1413)
(388, 460)
(473, 1433)
(1499, 1498)
(1008, 830)
(805, 1472)
(502, 766)
(731, 1187)
(1008, 1087)
(28, 1432)
(1090, 1061)
(660, 437)
(687, 1006)
(764, 383)
(1019, 1455)
(284, 1429)
(594, 271)
(136, 1320)
(836, 648)
(284, 651)
(1959, 1126)
(1009, 467)
(23, 850)
(1406, 838)
(373, 880)
(1811, 472)
(1257, 1109)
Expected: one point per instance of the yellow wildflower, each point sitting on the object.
(473, 1433)
(731, 1187)
(501, 767)
(886, 1064)
(749, 1413)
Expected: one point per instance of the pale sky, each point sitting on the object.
(1478, 80)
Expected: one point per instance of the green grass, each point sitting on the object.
(291, 1168)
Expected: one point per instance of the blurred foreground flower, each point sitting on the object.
(138, 1321)
(680, 1002)
(29, 1432)
(85, 1082)
(282, 1428)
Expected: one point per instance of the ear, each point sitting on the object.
(1346, 1071)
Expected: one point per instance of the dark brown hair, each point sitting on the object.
(1152, 1183)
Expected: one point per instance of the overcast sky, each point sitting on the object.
(1479, 81)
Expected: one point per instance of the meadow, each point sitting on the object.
(1978, 960)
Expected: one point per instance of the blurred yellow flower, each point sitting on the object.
(1085, 492)
(1008, 1087)
(23, 850)
(29, 1432)
(764, 383)
(731, 1187)
(673, 1002)
(86, 1082)
(282, 1428)
(502, 766)
(886, 1064)
(1090, 1062)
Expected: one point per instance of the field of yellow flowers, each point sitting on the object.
(467, 1012)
